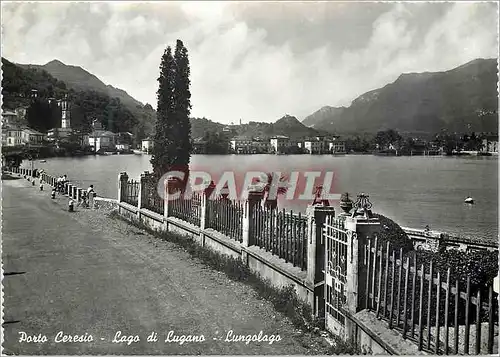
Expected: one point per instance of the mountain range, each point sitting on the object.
(79, 79)
(287, 125)
(463, 99)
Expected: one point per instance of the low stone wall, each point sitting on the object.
(373, 337)
(435, 240)
(268, 266)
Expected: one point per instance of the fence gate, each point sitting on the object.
(336, 241)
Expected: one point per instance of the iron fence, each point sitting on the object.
(130, 193)
(151, 199)
(225, 216)
(187, 209)
(282, 233)
(443, 316)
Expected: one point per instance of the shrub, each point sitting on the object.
(391, 232)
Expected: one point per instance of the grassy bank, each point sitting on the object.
(284, 300)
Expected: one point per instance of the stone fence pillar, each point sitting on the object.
(203, 211)
(316, 216)
(169, 185)
(248, 225)
(122, 184)
(361, 226)
(251, 204)
(142, 189)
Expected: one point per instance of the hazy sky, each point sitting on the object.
(254, 61)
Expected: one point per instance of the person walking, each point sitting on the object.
(59, 185)
(90, 196)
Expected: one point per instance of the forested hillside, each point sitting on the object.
(86, 105)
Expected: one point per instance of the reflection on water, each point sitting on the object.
(413, 191)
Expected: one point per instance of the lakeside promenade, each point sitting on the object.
(84, 272)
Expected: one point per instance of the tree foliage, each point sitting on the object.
(358, 144)
(388, 137)
(17, 86)
(472, 142)
(392, 233)
(216, 143)
(42, 115)
(172, 144)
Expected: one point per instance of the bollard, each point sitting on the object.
(71, 205)
(53, 194)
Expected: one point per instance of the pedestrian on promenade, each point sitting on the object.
(59, 184)
(90, 195)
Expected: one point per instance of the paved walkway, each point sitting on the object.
(85, 273)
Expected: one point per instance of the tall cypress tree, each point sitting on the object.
(182, 102)
(164, 141)
(172, 141)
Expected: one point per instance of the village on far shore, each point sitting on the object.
(16, 134)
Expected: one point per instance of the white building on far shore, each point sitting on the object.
(102, 139)
(147, 145)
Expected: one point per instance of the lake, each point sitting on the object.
(413, 191)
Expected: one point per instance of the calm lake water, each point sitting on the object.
(413, 191)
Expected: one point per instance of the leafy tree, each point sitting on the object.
(172, 140)
(389, 137)
(55, 115)
(39, 115)
(449, 142)
(393, 234)
(216, 143)
(294, 150)
(472, 142)
(139, 134)
(357, 144)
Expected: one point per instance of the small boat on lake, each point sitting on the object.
(469, 200)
